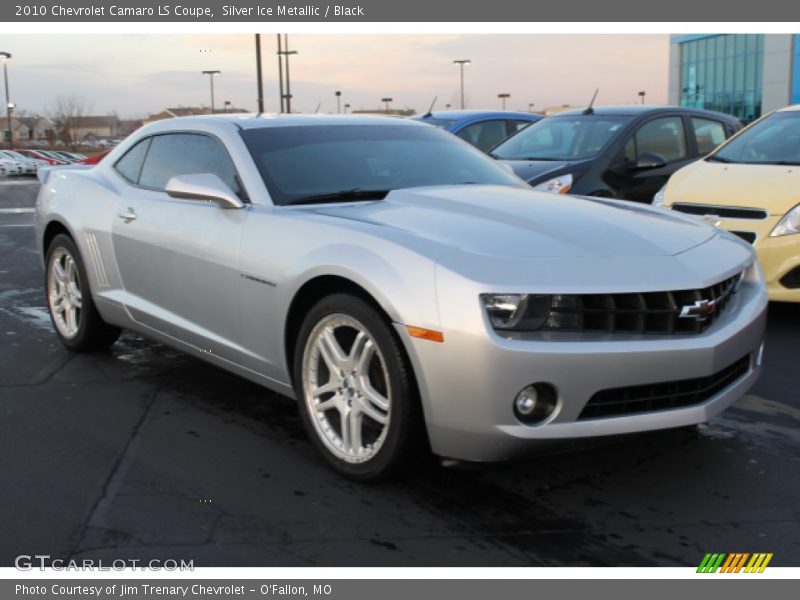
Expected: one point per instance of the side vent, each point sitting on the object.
(97, 260)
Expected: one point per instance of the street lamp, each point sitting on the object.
(530, 106)
(338, 95)
(227, 105)
(5, 56)
(211, 79)
(461, 62)
(346, 106)
(283, 54)
(503, 97)
(386, 101)
(641, 95)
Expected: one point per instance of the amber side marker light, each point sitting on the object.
(425, 334)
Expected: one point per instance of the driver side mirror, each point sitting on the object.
(649, 160)
(205, 187)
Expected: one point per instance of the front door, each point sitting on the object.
(178, 259)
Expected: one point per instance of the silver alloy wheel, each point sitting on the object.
(346, 388)
(64, 292)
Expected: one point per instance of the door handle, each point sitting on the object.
(127, 215)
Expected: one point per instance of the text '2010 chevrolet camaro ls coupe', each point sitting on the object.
(411, 293)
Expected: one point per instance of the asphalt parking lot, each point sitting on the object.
(143, 452)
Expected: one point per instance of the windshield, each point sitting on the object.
(576, 137)
(772, 141)
(344, 162)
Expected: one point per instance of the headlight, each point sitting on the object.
(516, 312)
(789, 224)
(658, 199)
(557, 185)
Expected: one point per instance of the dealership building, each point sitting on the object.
(746, 75)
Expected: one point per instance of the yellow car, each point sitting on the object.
(750, 186)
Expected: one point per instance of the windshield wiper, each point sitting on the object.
(342, 196)
(722, 159)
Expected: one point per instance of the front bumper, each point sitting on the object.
(468, 383)
(777, 255)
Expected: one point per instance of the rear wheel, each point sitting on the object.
(69, 300)
(357, 396)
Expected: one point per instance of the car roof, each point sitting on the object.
(793, 108)
(263, 120)
(456, 115)
(632, 110)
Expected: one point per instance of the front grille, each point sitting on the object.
(724, 212)
(683, 311)
(663, 396)
(747, 236)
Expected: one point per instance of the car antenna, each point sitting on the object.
(430, 110)
(589, 110)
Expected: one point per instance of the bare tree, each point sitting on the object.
(67, 115)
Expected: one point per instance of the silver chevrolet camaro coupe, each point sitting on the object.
(411, 293)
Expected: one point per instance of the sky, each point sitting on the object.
(135, 75)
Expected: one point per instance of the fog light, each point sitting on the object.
(535, 403)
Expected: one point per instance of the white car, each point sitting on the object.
(11, 167)
(28, 166)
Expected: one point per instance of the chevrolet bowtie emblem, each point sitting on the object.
(699, 311)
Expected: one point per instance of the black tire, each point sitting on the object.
(405, 441)
(92, 332)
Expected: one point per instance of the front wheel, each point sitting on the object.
(357, 395)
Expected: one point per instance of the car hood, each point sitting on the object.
(774, 188)
(502, 221)
(538, 170)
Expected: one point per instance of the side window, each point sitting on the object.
(629, 152)
(484, 135)
(708, 134)
(664, 137)
(130, 165)
(515, 126)
(186, 154)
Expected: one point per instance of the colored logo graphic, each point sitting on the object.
(735, 563)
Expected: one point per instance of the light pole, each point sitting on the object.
(259, 78)
(284, 54)
(346, 106)
(461, 62)
(9, 106)
(211, 79)
(227, 105)
(338, 95)
(503, 97)
(386, 101)
(641, 95)
(530, 106)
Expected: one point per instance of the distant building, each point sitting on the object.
(188, 111)
(37, 127)
(92, 128)
(551, 110)
(392, 112)
(745, 75)
(128, 126)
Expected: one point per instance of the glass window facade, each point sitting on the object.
(723, 73)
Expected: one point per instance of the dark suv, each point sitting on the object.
(625, 152)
